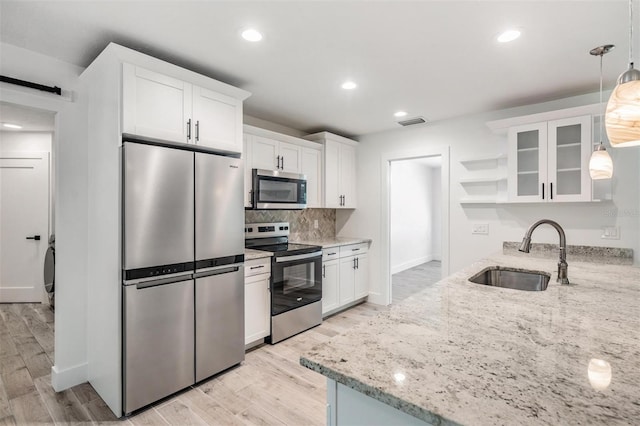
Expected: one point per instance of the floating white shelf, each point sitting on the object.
(484, 159)
(482, 180)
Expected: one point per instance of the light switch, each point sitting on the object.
(480, 228)
(610, 233)
(315, 224)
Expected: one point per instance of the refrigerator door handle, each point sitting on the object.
(155, 283)
(218, 270)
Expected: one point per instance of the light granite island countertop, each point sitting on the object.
(465, 353)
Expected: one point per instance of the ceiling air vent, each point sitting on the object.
(412, 121)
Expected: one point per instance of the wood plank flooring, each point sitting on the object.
(411, 281)
(268, 388)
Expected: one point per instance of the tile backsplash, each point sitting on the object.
(301, 221)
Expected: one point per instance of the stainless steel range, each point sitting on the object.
(296, 279)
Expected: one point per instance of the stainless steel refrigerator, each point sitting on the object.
(183, 253)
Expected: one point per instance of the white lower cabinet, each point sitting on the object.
(345, 276)
(257, 300)
(330, 292)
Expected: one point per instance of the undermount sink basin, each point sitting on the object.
(500, 276)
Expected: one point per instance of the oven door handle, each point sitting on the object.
(298, 256)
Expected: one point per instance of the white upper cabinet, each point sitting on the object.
(265, 153)
(265, 149)
(157, 106)
(312, 169)
(339, 170)
(217, 120)
(272, 154)
(548, 161)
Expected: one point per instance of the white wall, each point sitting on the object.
(436, 212)
(469, 137)
(71, 198)
(413, 223)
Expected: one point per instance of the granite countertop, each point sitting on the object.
(333, 242)
(250, 254)
(464, 353)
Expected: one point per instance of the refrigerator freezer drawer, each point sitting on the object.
(158, 342)
(219, 322)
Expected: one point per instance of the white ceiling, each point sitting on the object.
(436, 59)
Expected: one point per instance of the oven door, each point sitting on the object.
(278, 190)
(296, 280)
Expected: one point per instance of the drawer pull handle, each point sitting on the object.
(331, 254)
(257, 267)
(356, 249)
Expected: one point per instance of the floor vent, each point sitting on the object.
(412, 121)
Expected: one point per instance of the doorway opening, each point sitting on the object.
(387, 162)
(415, 225)
(26, 203)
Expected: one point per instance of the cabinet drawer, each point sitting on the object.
(353, 249)
(330, 253)
(257, 266)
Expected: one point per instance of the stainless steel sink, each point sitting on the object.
(500, 276)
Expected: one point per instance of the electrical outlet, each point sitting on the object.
(480, 228)
(315, 224)
(610, 233)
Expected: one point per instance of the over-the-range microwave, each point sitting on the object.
(273, 189)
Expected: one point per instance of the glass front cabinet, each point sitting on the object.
(549, 161)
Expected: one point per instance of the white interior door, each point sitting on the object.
(24, 215)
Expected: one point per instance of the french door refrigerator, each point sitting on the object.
(183, 289)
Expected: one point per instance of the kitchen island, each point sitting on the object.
(465, 353)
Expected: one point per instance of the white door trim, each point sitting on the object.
(385, 213)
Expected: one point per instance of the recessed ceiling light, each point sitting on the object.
(251, 34)
(11, 126)
(400, 114)
(508, 36)
(349, 85)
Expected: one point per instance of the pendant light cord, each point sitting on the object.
(603, 108)
(631, 32)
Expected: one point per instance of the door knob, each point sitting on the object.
(35, 237)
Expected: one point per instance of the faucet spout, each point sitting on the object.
(525, 247)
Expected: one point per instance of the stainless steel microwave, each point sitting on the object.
(273, 189)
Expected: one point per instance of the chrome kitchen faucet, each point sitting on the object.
(562, 263)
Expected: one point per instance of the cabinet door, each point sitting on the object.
(330, 291)
(257, 308)
(331, 178)
(362, 276)
(263, 153)
(155, 105)
(217, 120)
(528, 163)
(568, 159)
(347, 280)
(246, 156)
(347, 175)
(290, 157)
(312, 168)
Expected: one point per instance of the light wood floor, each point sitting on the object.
(268, 388)
(411, 281)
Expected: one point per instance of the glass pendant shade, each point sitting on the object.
(600, 164)
(623, 114)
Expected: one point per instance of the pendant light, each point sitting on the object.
(600, 164)
(623, 110)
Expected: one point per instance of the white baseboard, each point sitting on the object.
(411, 263)
(20, 295)
(69, 377)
